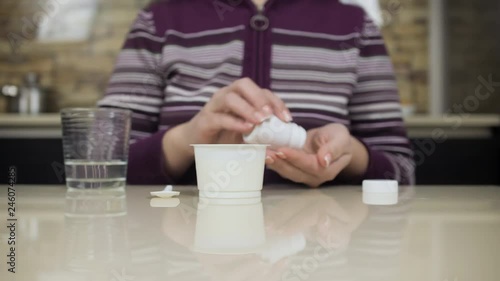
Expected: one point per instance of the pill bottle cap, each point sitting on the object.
(380, 192)
(380, 186)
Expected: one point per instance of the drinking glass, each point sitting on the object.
(95, 145)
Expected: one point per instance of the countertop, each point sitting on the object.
(432, 233)
(473, 125)
(473, 120)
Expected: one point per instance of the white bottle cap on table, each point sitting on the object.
(380, 192)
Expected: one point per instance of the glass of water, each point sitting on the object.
(95, 145)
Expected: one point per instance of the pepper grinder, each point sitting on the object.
(277, 134)
(31, 91)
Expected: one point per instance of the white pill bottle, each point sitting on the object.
(277, 133)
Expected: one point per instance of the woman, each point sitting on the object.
(208, 71)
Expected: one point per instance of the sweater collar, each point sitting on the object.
(266, 5)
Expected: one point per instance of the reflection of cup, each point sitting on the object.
(222, 168)
(95, 229)
(229, 226)
(95, 144)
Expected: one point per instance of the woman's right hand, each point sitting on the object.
(232, 111)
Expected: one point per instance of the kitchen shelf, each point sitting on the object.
(48, 125)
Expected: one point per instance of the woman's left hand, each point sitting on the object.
(328, 151)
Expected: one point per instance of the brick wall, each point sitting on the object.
(77, 73)
(406, 34)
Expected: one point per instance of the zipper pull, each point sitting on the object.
(259, 21)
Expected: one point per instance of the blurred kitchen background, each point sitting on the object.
(446, 55)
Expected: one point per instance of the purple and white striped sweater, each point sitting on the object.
(326, 60)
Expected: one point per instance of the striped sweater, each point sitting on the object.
(327, 61)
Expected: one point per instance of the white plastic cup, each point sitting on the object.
(223, 169)
(230, 226)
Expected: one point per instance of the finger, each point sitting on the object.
(240, 107)
(330, 152)
(253, 94)
(286, 170)
(228, 122)
(269, 160)
(310, 145)
(270, 156)
(278, 106)
(270, 150)
(338, 165)
(229, 137)
(321, 138)
(310, 164)
(300, 159)
(234, 103)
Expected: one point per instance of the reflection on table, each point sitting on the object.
(309, 235)
(433, 233)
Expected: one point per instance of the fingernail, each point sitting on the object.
(267, 109)
(328, 159)
(260, 117)
(287, 116)
(326, 222)
(269, 160)
(281, 155)
(248, 125)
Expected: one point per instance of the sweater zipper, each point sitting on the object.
(259, 23)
